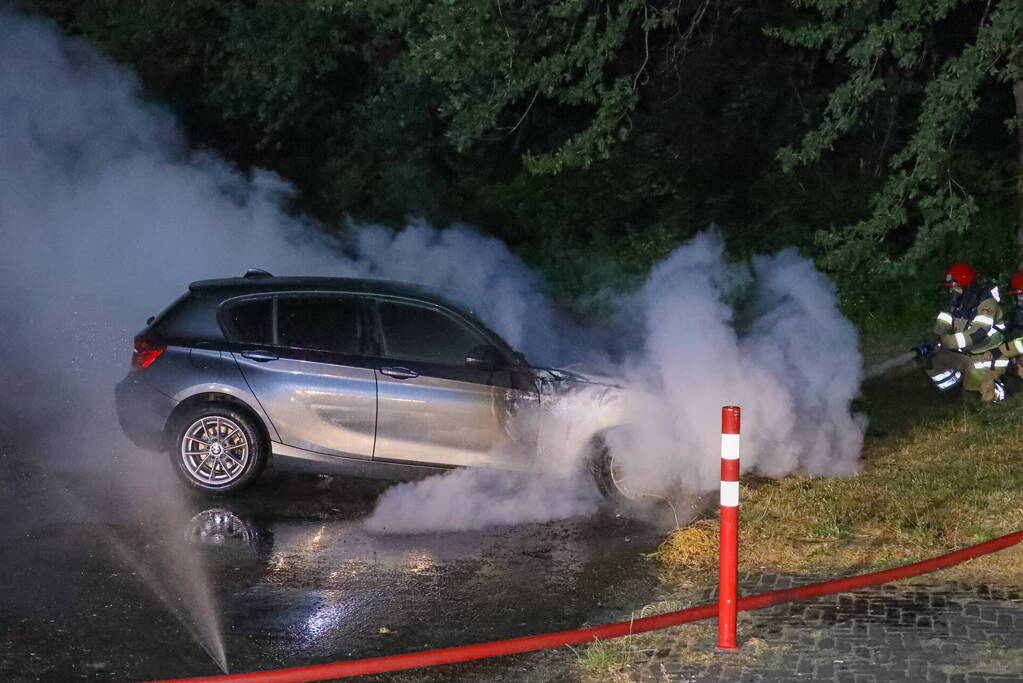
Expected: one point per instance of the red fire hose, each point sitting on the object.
(497, 648)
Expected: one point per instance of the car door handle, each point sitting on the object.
(261, 356)
(399, 373)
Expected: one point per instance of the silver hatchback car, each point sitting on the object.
(355, 377)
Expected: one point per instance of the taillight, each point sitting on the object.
(147, 350)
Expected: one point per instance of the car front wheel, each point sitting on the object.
(218, 450)
(610, 475)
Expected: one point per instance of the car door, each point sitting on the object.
(434, 408)
(302, 355)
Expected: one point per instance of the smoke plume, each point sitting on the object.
(106, 215)
(767, 337)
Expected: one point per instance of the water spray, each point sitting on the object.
(467, 653)
(881, 368)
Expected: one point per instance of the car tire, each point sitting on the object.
(670, 509)
(607, 475)
(218, 450)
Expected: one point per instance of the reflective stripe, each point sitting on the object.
(1018, 343)
(950, 382)
(995, 294)
(941, 376)
(960, 340)
(993, 331)
(945, 318)
(729, 494)
(983, 365)
(985, 320)
(999, 392)
(729, 446)
(1002, 363)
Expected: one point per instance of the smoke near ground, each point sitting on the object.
(106, 215)
(475, 499)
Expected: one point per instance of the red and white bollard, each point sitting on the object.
(729, 554)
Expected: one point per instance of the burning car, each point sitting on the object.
(354, 377)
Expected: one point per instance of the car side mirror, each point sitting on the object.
(484, 357)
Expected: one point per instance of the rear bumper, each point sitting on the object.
(143, 412)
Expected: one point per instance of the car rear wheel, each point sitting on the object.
(218, 450)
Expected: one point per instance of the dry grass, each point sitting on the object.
(694, 547)
(938, 473)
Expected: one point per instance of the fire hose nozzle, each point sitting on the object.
(923, 350)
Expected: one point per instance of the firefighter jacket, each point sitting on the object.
(1014, 347)
(982, 332)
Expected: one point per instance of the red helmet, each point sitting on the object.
(1015, 284)
(960, 274)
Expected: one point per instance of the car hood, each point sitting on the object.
(578, 376)
(554, 384)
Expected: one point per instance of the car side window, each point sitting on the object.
(191, 318)
(250, 321)
(320, 322)
(417, 333)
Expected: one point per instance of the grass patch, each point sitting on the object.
(993, 657)
(611, 661)
(938, 473)
(997, 657)
(607, 660)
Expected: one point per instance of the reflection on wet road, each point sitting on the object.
(297, 581)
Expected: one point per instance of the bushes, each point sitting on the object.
(592, 144)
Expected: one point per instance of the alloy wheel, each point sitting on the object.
(215, 450)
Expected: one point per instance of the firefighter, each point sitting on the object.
(969, 331)
(1012, 350)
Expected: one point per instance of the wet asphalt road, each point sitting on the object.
(85, 557)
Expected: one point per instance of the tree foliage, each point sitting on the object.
(492, 61)
(594, 137)
(937, 59)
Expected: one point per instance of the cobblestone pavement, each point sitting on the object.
(916, 632)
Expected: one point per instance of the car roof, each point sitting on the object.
(269, 284)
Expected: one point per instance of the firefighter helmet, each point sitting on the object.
(960, 275)
(1016, 284)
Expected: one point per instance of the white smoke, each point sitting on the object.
(106, 215)
(793, 366)
(475, 499)
(767, 337)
